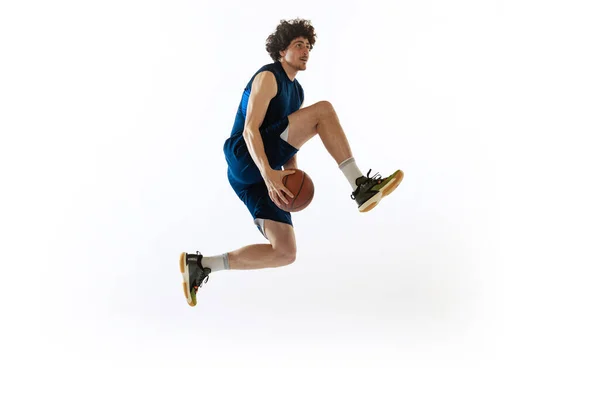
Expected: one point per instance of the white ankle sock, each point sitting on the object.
(216, 263)
(351, 171)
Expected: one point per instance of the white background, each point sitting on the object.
(476, 279)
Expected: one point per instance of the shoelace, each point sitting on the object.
(203, 281)
(376, 176)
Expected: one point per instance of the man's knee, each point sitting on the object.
(325, 108)
(286, 253)
(285, 248)
(283, 240)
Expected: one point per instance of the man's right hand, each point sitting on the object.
(277, 190)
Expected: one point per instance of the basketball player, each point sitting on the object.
(269, 128)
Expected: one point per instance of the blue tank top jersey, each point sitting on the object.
(242, 172)
(288, 100)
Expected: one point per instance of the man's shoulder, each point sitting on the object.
(268, 67)
(272, 68)
(265, 68)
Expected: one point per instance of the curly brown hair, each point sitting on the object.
(287, 31)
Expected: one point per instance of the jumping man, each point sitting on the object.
(269, 128)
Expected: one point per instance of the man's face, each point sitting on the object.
(297, 53)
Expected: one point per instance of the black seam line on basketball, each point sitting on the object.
(307, 201)
(299, 190)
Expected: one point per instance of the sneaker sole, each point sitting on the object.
(371, 203)
(186, 279)
(384, 191)
(393, 184)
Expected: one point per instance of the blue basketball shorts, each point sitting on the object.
(245, 178)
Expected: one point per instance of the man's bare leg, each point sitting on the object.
(281, 251)
(195, 268)
(321, 119)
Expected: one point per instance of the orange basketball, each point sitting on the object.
(300, 184)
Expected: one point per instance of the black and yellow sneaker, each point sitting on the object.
(194, 275)
(372, 189)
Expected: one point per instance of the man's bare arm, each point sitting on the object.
(264, 88)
